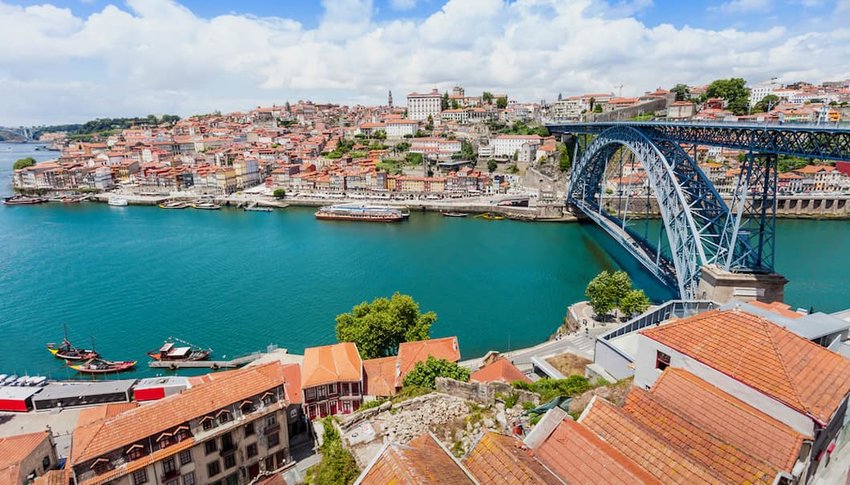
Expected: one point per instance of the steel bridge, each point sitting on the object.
(700, 228)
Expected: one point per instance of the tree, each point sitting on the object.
(597, 108)
(634, 302)
(502, 102)
(425, 374)
(430, 125)
(560, 97)
(592, 103)
(24, 163)
(682, 91)
(467, 151)
(380, 326)
(766, 103)
(487, 97)
(279, 193)
(734, 91)
(564, 161)
(413, 158)
(444, 101)
(605, 291)
(338, 464)
(454, 104)
(492, 165)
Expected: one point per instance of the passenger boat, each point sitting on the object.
(206, 205)
(174, 204)
(453, 214)
(67, 351)
(170, 352)
(100, 366)
(22, 200)
(360, 212)
(117, 201)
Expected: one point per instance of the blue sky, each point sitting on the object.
(73, 60)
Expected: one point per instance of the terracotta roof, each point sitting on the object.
(577, 455)
(102, 436)
(764, 356)
(105, 411)
(728, 418)
(713, 453)
(331, 363)
(501, 370)
(422, 460)
(498, 459)
(777, 306)
(15, 449)
(292, 384)
(409, 353)
(663, 461)
(53, 477)
(379, 376)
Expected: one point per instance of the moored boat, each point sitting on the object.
(453, 214)
(70, 200)
(360, 212)
(67, 351)
(170, 352)
(101, 366)
(117, 201)
(174, 204)
(489, 216)
(206, 205)
(22, 200)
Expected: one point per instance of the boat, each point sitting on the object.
(206, 205)
(170, 352)
(70, 200)
(9, 380)
(117, 201)
(360, 212)
(101, 366)
(174, 204)
(22, 200)
(453, 214)
(67, 351)
(489, 216)
(255, 207)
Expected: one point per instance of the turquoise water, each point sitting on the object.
(237, 281)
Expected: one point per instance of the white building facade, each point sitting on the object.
(421, 106)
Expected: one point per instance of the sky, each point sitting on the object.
(66, 61)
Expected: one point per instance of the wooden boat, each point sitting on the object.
(206, 205)
(22, 200)
(101, 366)
(170, 352)
(453, 214)
(67, 351)
(70, 200)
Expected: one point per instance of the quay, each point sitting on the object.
(206, 364)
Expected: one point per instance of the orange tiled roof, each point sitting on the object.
(728, 418)
(53, 477)
(501, 370)
(104, 411)
(102, 436)
(379, 376)
(579, 456)
(422, 460)
(777, 306)
(764, 356)
(14, 449)
(721, 457)
(498, 459)
(665, 462)
(331, 363)
(409, 353)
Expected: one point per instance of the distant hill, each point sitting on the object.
(101, 125)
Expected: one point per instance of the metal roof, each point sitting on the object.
(17, 393)
(811, 327)
(68, 390)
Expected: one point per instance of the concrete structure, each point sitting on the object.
(506, 146)
(25, 457)
(421, 106)
(719, 285)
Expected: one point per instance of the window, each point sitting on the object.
(224, 417)
(274, 439)
(232, 480)
(333, 388)
(249, 429)
(168, 466)
(140, 476)
(662, 360)
(355, 388)
(229, 461)
(226, 441)
(45, 463)
(251, 450)
(208, 423)
(210, 446)
(310, 394)
(268, 398)
(321, 391)
(281, 457)
(185, 457)
(270, 463)
(213, 468)
(271, 420)
(189, 478)
(176, 481)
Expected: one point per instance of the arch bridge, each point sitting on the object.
(700, 228)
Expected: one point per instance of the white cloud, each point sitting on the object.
(155, 56)
(743, 6)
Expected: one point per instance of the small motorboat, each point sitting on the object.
(174, 204)
(9, 380)
(23, 200)
(118, 201)
(453, 214)
(70, 200)
(489, 216)
(170, 352)
(206, 205)
(101, 366)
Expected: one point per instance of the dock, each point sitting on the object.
(206, 364)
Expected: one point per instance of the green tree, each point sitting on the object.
(430, 125)
(279, 193)
(682, 91)
(424, 374)
(380, 326)
(401, 147)
(492, 165)
(338, 465)
(605, 291)
(766, 103)
(24, 163)
(467, 151)
(734, 91)
(413, 158)
(444, 101)
(634, 302)
(597, 108)
(502, 102)
(487, 97)
(455, 105)
(564, 154)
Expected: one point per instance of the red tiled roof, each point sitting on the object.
(331, 363)
(579, 456)
(379, 376)
(504, 460)
(728, 418)
(422, 460)
(409, 353)
(665, 462)
(764, 356)
(721, 457)
(777, 306)
(15, 449)
(501, 370)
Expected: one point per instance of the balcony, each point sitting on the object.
(227, 449)
(170, 475)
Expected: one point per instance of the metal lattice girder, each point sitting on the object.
(807, 141)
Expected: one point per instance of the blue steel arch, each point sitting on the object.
(696, 219)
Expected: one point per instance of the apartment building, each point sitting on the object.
(331, 378)
(421, 106)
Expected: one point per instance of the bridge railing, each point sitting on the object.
(723, 123)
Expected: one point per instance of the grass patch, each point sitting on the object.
(569, 364)
(549, 389)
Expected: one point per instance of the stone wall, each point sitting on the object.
(483, 392)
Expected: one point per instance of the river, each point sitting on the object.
(237, 281)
